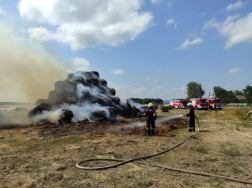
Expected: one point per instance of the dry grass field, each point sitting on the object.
(29, 159)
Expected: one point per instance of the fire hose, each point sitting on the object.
(238, 131)
(136, 160)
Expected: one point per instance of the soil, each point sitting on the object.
(122, 126)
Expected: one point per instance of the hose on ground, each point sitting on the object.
(238, 131)
(136, 160)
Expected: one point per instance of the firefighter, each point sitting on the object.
(191, 116)
(66, 117)
(150, 119)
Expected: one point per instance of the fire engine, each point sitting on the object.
(178, 103)
(215, 103)
(199, 103)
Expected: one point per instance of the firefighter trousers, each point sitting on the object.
(191, 124)
(150, 124)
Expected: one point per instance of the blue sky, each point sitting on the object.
(143, 48)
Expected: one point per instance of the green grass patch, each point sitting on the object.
(233, 151)
(236, 169)
(144, 184)
(201, 115)
(247, 125)
(201, 149)
(76, 140)
(16, 142)
(217, 183)
(238, 128)
(242, 114)
(117, 155)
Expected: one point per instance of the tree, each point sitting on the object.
(247, 92)
(226, 96)
(237, 92)
(147, 100)
(194, 90)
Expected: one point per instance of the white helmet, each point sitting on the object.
(151, 104)
(189, 104)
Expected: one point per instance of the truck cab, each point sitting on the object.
(179, 103)
(199, 103)
(215, 104)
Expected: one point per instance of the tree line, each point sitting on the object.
(147, 100)
(194, 90)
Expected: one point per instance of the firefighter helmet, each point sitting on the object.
(189, 104)
(151, 104)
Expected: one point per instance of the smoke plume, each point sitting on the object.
(27, 71)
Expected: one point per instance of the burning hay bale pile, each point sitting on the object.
(87, 96)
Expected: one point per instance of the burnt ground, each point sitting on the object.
(132, 126)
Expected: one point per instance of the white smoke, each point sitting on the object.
(85, 110)
(14, 116)
(51, 116)
(158, 121)
(82, 90)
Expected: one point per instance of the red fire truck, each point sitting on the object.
(199, 103)
(178, 103)
(215, 103)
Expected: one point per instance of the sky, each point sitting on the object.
(143, 48)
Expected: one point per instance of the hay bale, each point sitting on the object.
(164, 108)
(88, 82)
(94, 81)
(91, 74)
(98, 100)
(98, 115)
(39, 109)
(71, 100)
(96, 73)
(125, 112)
(249, 113)
(134, 111)
(102, 82)
(70, 76)
(139, 115)
(78, 79)
(113, 113)
(114, 99)
(112, 91)
(54, 97)
(155, 107)
(63, 87)
(40, 101)
(66, 117)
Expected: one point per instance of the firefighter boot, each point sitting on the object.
(152, 131)
(148, 131)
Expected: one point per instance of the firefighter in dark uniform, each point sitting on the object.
(191, 116)
(150, 119)
(66, 117)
